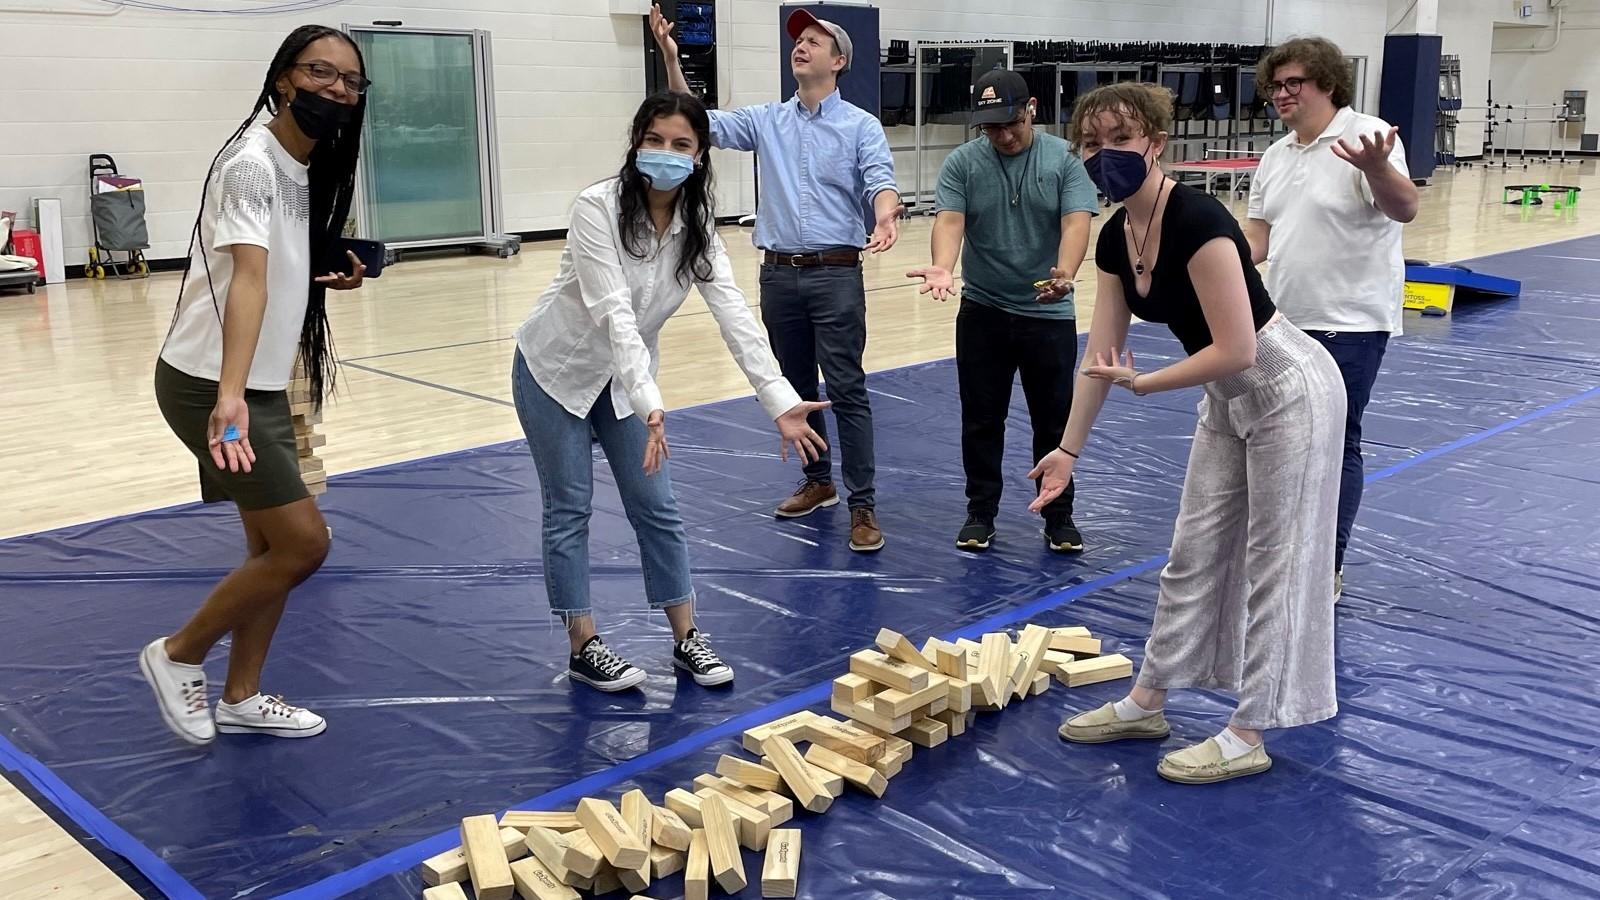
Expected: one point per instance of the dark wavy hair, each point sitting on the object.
(694, 196)
(332, 175)
(1323, 61)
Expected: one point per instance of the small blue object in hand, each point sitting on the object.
(231, 433)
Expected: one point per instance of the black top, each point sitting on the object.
(1191, 220)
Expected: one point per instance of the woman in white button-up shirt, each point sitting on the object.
(586, 361)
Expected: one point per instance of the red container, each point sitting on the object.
(26, 243)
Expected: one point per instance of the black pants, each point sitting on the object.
(816, 317)
(1359, 354)
(992, 346)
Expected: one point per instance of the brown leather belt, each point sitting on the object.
(802, 260)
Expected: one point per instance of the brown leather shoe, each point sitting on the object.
(864, 532)
(812, 496)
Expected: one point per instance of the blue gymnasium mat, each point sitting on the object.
(1465, 761)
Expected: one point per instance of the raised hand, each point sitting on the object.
(1372, 155)
(662, 29)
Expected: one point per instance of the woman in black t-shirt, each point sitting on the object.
(1245, 601)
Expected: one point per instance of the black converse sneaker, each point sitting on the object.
(694, 655)
(598, 667)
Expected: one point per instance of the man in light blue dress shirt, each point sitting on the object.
(824, 162)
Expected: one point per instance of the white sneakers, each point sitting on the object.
(180, 691)
(268, 715)
(180, 694)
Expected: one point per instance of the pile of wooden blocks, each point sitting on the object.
(306, 438)
(894, 698)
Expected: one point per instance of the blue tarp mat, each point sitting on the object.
(1465, 761)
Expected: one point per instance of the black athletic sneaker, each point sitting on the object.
(598, 667)
(976, 534)
(694, 655)
(1063, 536)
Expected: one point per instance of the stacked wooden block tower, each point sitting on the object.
(894, 698)
(306, 438)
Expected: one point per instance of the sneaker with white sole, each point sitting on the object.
(694, 655)
(180, 690)
(599, 667)
(263, 714)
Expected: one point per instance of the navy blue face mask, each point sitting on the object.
(1118, 173)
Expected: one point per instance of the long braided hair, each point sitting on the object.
(332, 175)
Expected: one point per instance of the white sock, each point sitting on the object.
(1232, 745)
(1129, 711)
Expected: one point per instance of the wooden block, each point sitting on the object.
(889, 672)
(665, 861)
(1070, 631)
(995, 668)
(751, 826)
(697, 869)
(845, 739)
(853, 688)
(959, 694)
(450, 891)
(927, 733)
(317, 489)
(606, 881)
(831, 783)
(668, 829)
(952, 661)
(451, 865)
(789, 726)
(797, 775)
(745, 772)
(309, 441)
(535, 881)
(889, 766)
(1080, 647)
(930, 651)
(868, 716)
(856, 773)
(1096, 670)
(639, 816)
(685, 805)
(892, 704)
(311, 478)
(311, 464)
(302, 408)
(897, 646)
(780, 872)
(1053, 660)
(776, 808)
(486, 858)
(1041, 683)
(573, 853)
(617, 842)
(722, 845)
(956, 722)
(305, 419)
(1031, 646)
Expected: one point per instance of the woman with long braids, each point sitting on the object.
(586, 359)
(272, 210)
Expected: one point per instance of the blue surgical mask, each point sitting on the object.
(664, 168)
(1117, 173)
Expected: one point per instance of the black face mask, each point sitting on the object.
(318, 117)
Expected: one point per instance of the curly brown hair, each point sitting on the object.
(1140, 103)
(1323, 62)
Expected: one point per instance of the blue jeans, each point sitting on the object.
(562, 453)
(1358, 354)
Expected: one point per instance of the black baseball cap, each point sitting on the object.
(999, 97)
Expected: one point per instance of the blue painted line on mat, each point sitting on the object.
(407, 857)
(108, 833)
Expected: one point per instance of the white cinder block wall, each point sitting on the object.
(161, 90)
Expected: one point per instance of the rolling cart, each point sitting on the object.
(116, 208)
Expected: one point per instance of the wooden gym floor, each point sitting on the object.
(426, 352)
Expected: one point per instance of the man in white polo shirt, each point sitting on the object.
(1326, 208)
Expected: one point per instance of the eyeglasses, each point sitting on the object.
(1291, 85)
(995, 129)
(322, 75)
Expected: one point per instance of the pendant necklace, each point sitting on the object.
(1140, 243)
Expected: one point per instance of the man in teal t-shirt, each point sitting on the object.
(1022, 201)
